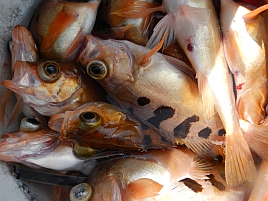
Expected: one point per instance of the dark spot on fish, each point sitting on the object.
(130, 109)
(218, 158)
(193, 185)
(147, 140)
(183, 129)
(163, 139)
(204, 133)
(37, 18)
(162, 113)
(215, 183)
(144, 126)
(221, 132)
(190, 47)
(143, 101)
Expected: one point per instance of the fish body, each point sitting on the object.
(42, 149)
(51, 87)
(160, 175)
(245, 48)
(60, 26)
(100, 125)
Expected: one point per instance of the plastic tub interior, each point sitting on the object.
(12, 13)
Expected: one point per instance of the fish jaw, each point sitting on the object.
(60, 27)
(23, 46)
(18, 146)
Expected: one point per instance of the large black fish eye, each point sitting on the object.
(89, 121)
(81, 192)
(97, 69)
(49, 71)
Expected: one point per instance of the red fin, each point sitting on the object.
(147, 56)
(254, 14)
(115, 32)
(3, 103)
(138, 10)
(144, 188)
(62, 20)
(75, 46)
(17, 110)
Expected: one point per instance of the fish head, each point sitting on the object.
(110, 62)
(23, 47)
(20, 145)
(60, 27)
(47, 86)
(97, 125)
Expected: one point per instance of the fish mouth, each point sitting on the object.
(16, 88)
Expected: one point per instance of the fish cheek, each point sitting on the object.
(182, 130)
(162, 113)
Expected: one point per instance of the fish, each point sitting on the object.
(157, 175)
(43, 149)
(245, 39)
(158, 91)
(100, 125)
(59, 27)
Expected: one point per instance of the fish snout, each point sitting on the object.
(56, 122)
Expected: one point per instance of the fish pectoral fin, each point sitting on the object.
(62, 20)
(197, 144)
(3, 102)
(166, 24)
(239, 164)
(206, 95)
(144, 188)
(256, 137)
(148, 55)
(200, 168)
(138, 9)
(180, 65)
(254, 14)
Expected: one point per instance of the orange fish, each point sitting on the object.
(60, 26)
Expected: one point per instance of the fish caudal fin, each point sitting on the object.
(257, 138)
(144, 188)
(138, 9)
(239, 164)
(206, 95)
(253, 14)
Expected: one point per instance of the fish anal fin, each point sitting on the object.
(166, 24)
(3, 103)
(256, 137)
(138, 9)
(239, 164)
(147, 56)
(62, 20)
(144, 188)
(254, 14)
(197, 144)
(206, 95)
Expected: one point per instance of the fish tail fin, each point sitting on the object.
(138, 9)
(147, 56)
(254, 14)
(165, 25)
(239, 164)
(144, 188)
(206, 94)
(257, 138)
(3, 102)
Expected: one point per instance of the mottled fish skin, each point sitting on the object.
(70, 90)
(245, 49)
(158, 93)
(159, 178)
(111, 129)
(60, 26)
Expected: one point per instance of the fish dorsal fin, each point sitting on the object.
(144, 188)
(62, 20)
(148, 55)
(3, 102)
(138, 9)
(254, 14)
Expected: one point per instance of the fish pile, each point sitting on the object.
(147, 100)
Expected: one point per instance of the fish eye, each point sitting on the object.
(81, 192)
(29, 124)
(84, 151)
(89, 121)
(49, 71)
(97, 69)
